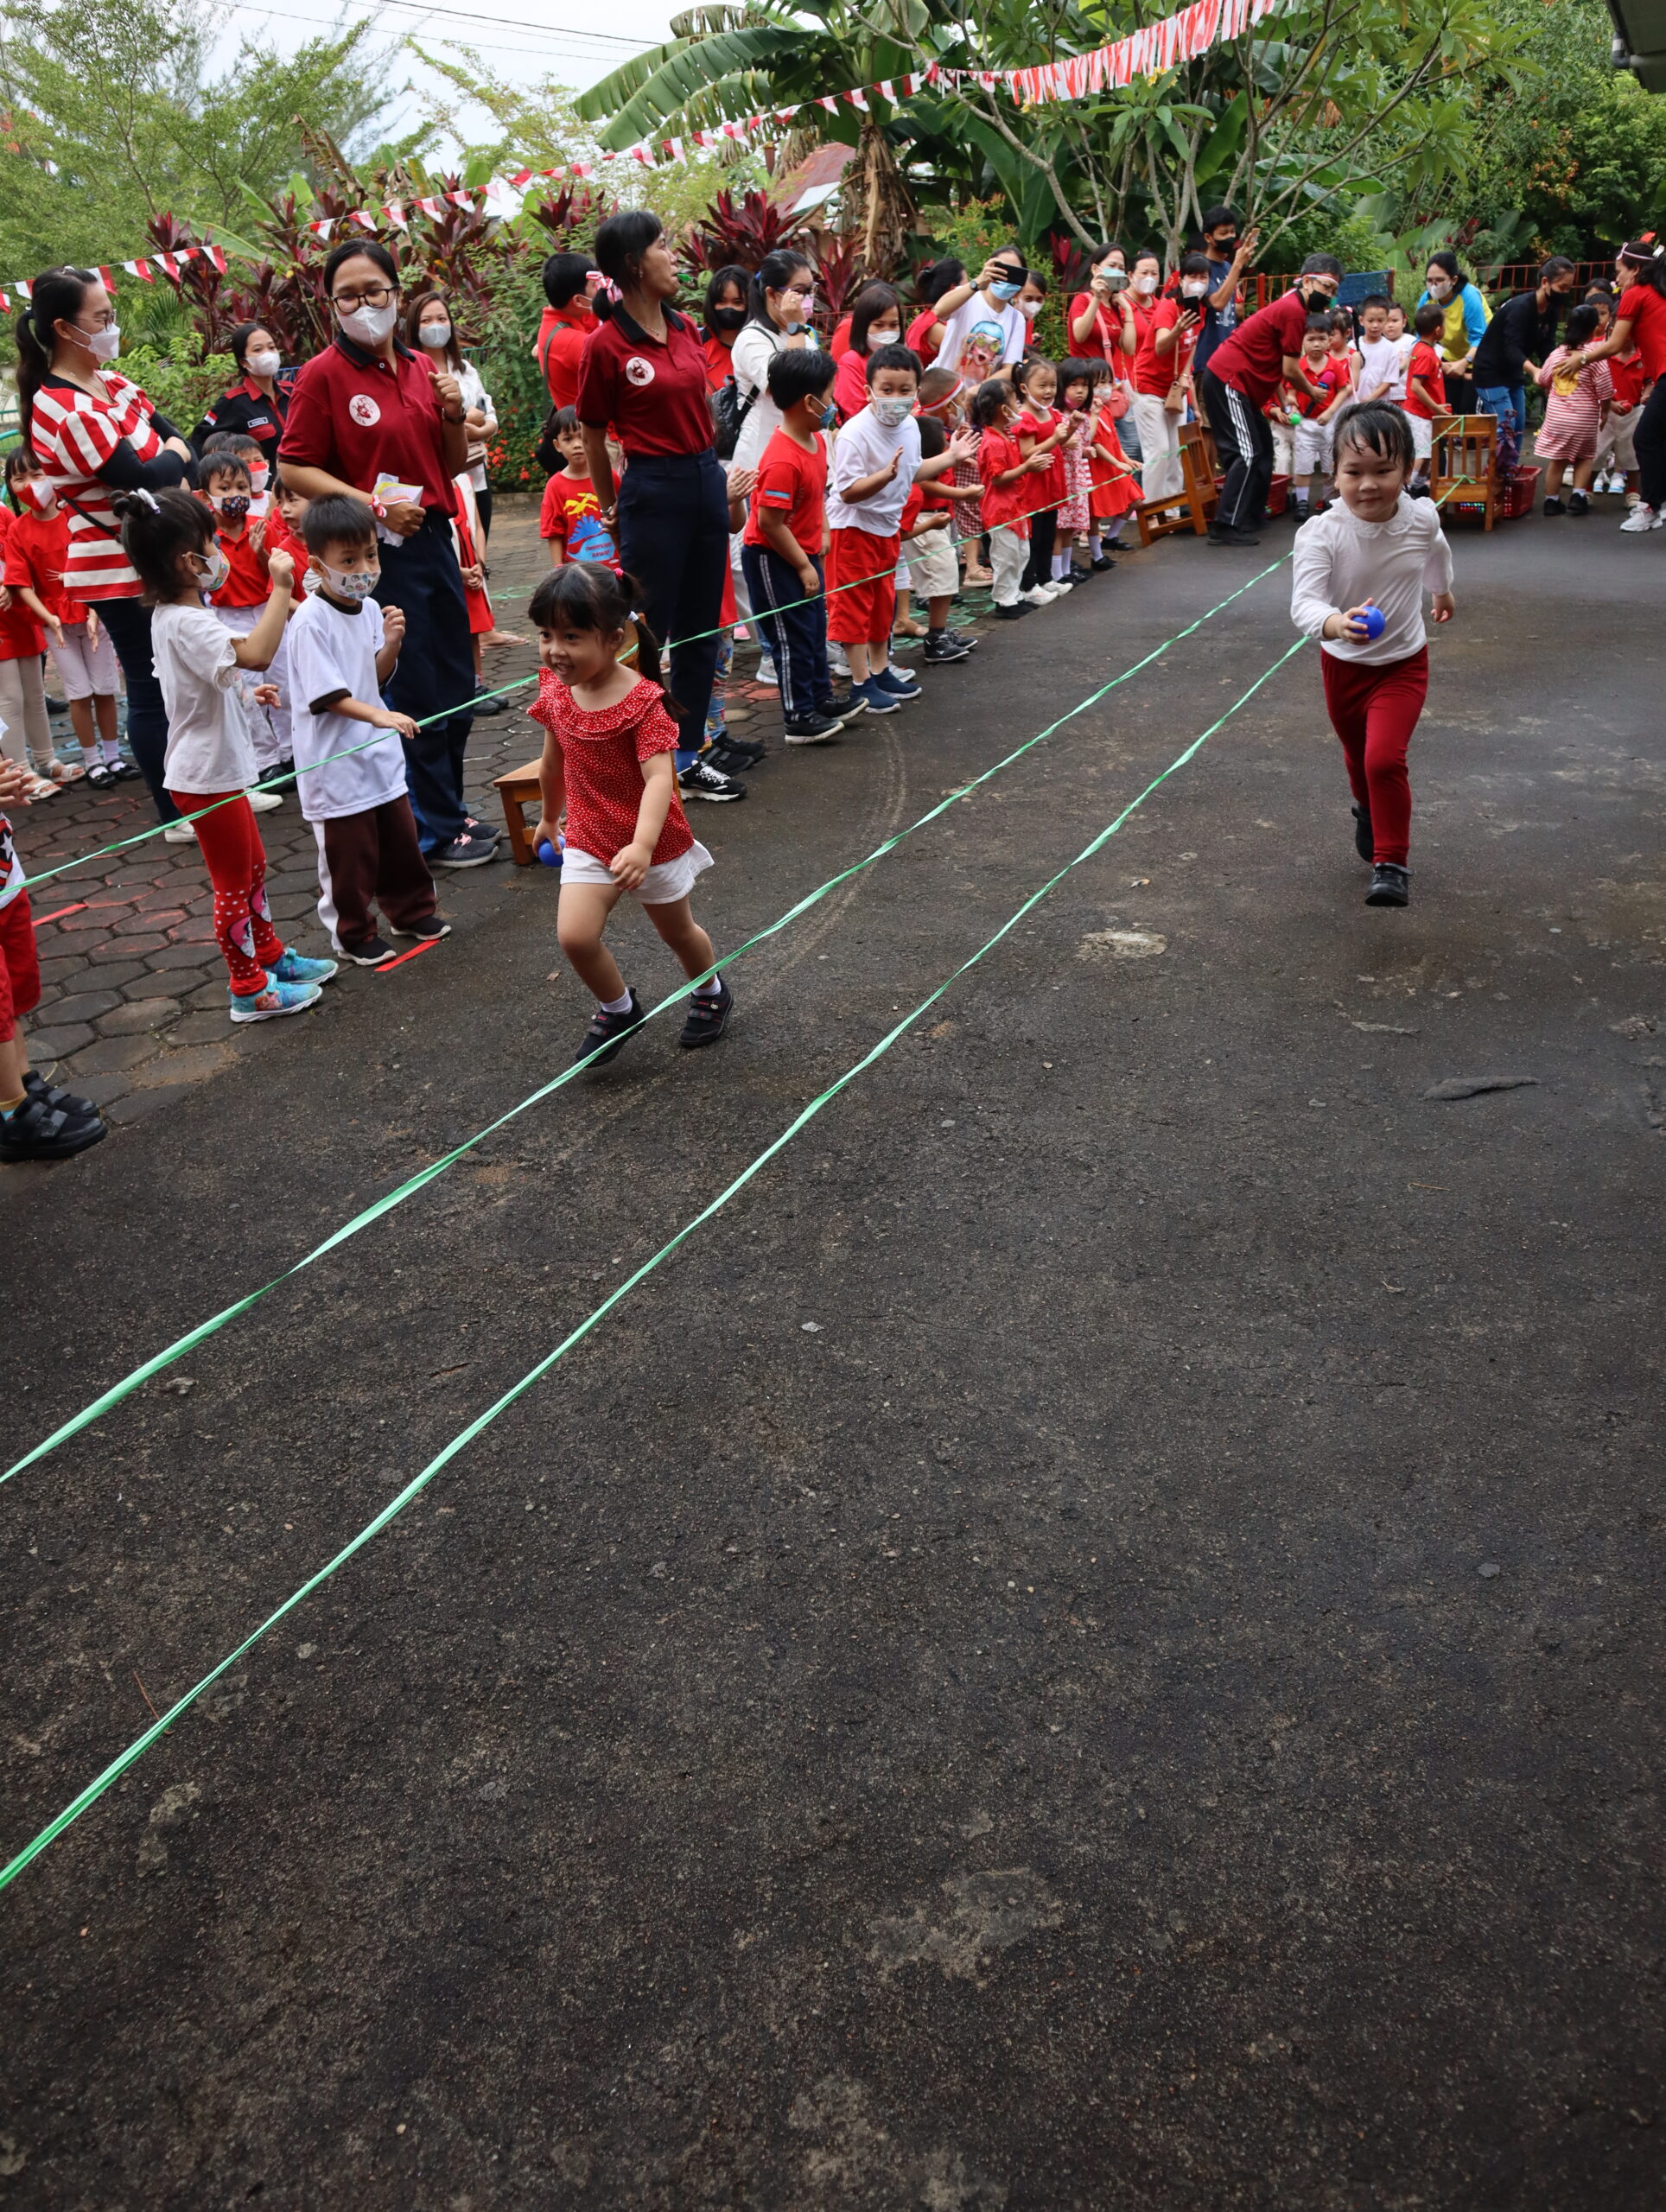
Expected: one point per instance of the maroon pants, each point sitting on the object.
(236, 868)
(20, 970)
(1374, 711)
(373, 855)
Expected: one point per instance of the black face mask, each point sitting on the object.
(728, 318)
(1223, 249)
(1315, 301)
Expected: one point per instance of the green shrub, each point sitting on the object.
(182, 390)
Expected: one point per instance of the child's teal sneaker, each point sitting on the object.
(277, 998)
(293, 968)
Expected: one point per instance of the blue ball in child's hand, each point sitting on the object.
(548, 854)
(1375, 621)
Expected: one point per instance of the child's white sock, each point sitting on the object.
(616, 1006)
(111, 748)
(1094, 544)
(711, 989)
(91, 755)
(1061, 566)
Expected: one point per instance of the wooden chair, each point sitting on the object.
(1463, 463)
(1192, 506)
(517, 790)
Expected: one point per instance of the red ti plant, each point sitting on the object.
(836, 269)
(743, 234)
(1070, 263)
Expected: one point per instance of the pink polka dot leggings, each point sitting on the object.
(237, 868)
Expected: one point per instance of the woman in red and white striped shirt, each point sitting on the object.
(96, 434)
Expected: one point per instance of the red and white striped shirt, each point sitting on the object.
(75, 432)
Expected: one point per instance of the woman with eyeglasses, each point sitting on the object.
(97, 435)
(370, 409)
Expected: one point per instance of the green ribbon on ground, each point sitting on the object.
(395, 1505)
(409, 1189)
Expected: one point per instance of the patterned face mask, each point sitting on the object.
(232, 505)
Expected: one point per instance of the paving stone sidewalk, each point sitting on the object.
(133, 1005)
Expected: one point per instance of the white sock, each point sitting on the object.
(711, 989)
(111, 748)
(1095, 544)
(91, 755)
(617, 1006)
(1060, 567)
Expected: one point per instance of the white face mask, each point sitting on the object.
(891, 412)
(435, 335)
(217, 571)
(351, 583)
(1193, 288)
(262, 364)
(103, 345)
(1439, 286)
(259, 475)
(1029, 309)
(878, 337)
(1145, 284)
(370, 326)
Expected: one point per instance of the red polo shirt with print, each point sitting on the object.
(560, 348)
(651, 392)
(352, 414)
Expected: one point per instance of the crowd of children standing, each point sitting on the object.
(700, 478)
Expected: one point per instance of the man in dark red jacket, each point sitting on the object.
(1245, 371)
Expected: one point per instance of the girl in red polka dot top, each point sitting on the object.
(608, 763)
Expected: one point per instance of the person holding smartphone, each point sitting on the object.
(1006, 294)
(1228, 255)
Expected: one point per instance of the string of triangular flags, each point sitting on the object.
(1161, 46)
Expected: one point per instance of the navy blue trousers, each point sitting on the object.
(673, 541)
(435, 669)
(796, 634)
(128, 621)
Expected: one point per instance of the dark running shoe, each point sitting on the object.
(1102, 562)
(1232, 537)
(429, 931)
(938, 649)
(609, 1031)
(1390, 885)
(730, 759)
(37, 1131)
(841, 706)
(814, 729)
(1015, 612)
(373, 951)
(1362, 843)
(700, 781)
(707, 1017)
(464, 851)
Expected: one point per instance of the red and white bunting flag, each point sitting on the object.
(217, 255)
(460, 199)
(523, 177)
(170, 264)
(363, 217)
(641, 153)
(888, 88)
(435, 207)
(785, 114)
(133, 267)
(394, 213)
(829, 101)
(27, 290)
(5, 304)
(321, 228)
(105, 278)
(858, 99)
(674, 148)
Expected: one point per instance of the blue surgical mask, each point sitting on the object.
(1004, 292)
(829, 416)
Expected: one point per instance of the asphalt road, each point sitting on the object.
(1093, 1640)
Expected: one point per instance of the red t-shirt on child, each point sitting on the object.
(601, 756)
(996, 453)
(572, 512)
(36, 549)
(791, 484)
(248, 584)
(1425, 362)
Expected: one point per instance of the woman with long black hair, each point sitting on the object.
(778, 316)
(644, 372)
(97, 435)
(366, 409)
(257, 406)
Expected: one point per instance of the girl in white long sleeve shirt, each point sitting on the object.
(1361, 569)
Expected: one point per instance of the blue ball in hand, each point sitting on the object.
(549, 853)
(1375, 621)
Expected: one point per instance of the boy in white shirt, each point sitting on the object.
(342, 649)
(876, 462)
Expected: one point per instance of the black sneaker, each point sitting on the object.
(752, 749)
(1101, 562)
(939, 650)
(609, 1031)
(469, 850)
(700, 781)
(1578, 504)
(813, 729)
(707, 1017)
(1232, 537)
(482, 705)
(370, 954)
(729, 761)
(37, 1131)
(429, 931)
(962, 638)
(1362, 843)
(56, 1101)
(1555, 507)
(841, 706)
(1012, 613)
(1079, 576)
(1390, 885)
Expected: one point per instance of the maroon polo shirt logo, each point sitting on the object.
(363, 409)
(639, 371)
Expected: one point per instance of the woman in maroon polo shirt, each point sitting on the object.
(368, 407)
(645, 371)
(256, 406)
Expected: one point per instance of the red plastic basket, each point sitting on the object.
(1519, 490)
(1278, 495)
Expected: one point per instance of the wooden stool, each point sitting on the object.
(1193, 506)
(519, 788)
(1463, 462)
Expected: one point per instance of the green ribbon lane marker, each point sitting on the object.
(135, 1750)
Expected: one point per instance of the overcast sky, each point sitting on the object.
(574, 41)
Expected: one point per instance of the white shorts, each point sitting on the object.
(661, 886)
(1422, 436)
(1312, 454)
(935, 569)
(85, 671)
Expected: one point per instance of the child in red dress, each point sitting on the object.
(607, 763)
